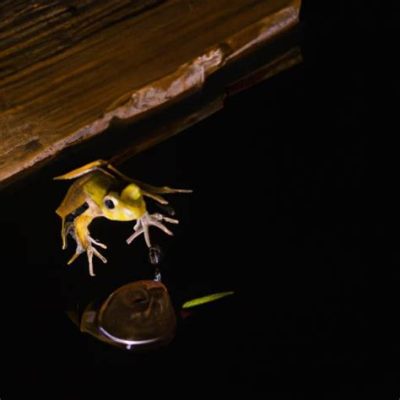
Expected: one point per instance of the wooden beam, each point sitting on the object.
(68, 68)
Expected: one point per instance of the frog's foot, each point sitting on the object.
(143, 224)
(90, 251)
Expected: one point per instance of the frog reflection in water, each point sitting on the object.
(103, 191)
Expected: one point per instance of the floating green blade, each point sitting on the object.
(205, 299)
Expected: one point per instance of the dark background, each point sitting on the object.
(295, 207)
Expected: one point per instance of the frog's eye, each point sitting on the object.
(110, 204)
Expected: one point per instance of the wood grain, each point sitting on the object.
(68, 68)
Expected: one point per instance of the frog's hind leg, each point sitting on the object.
(148, 190)
(151, 191)
(155, 192)
(85, 169)
(66, 228)
(67, 221)
(85, 243)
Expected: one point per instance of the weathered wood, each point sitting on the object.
(170, 124)
(33, 31)
(67, 68)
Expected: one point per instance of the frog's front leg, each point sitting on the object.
(143, 224)
(84, 242)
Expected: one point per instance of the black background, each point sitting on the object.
(295, 207)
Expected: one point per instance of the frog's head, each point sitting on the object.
(127, 205)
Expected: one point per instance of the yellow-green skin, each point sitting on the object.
(128, 201)
(100, 190)
(97, 188)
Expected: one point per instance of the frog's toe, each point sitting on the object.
(99, 255)
(157, 219)
(66, 229)
(74, 257)
(91, 251)
(97, 243)
(143, 224)
(134, 235)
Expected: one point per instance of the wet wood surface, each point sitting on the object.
(69, 68)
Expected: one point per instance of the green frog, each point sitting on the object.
(100, 190)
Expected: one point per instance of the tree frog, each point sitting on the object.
(103, 191)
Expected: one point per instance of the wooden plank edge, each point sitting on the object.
(187, 78)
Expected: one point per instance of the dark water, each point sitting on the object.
(294, 207)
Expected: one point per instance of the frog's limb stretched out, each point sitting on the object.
(153, 192)
(147, 220)
(84, 242)
(148, 190)
(85, 169)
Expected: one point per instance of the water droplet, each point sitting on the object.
(155, 255)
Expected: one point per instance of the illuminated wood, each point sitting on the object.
(67, 68)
